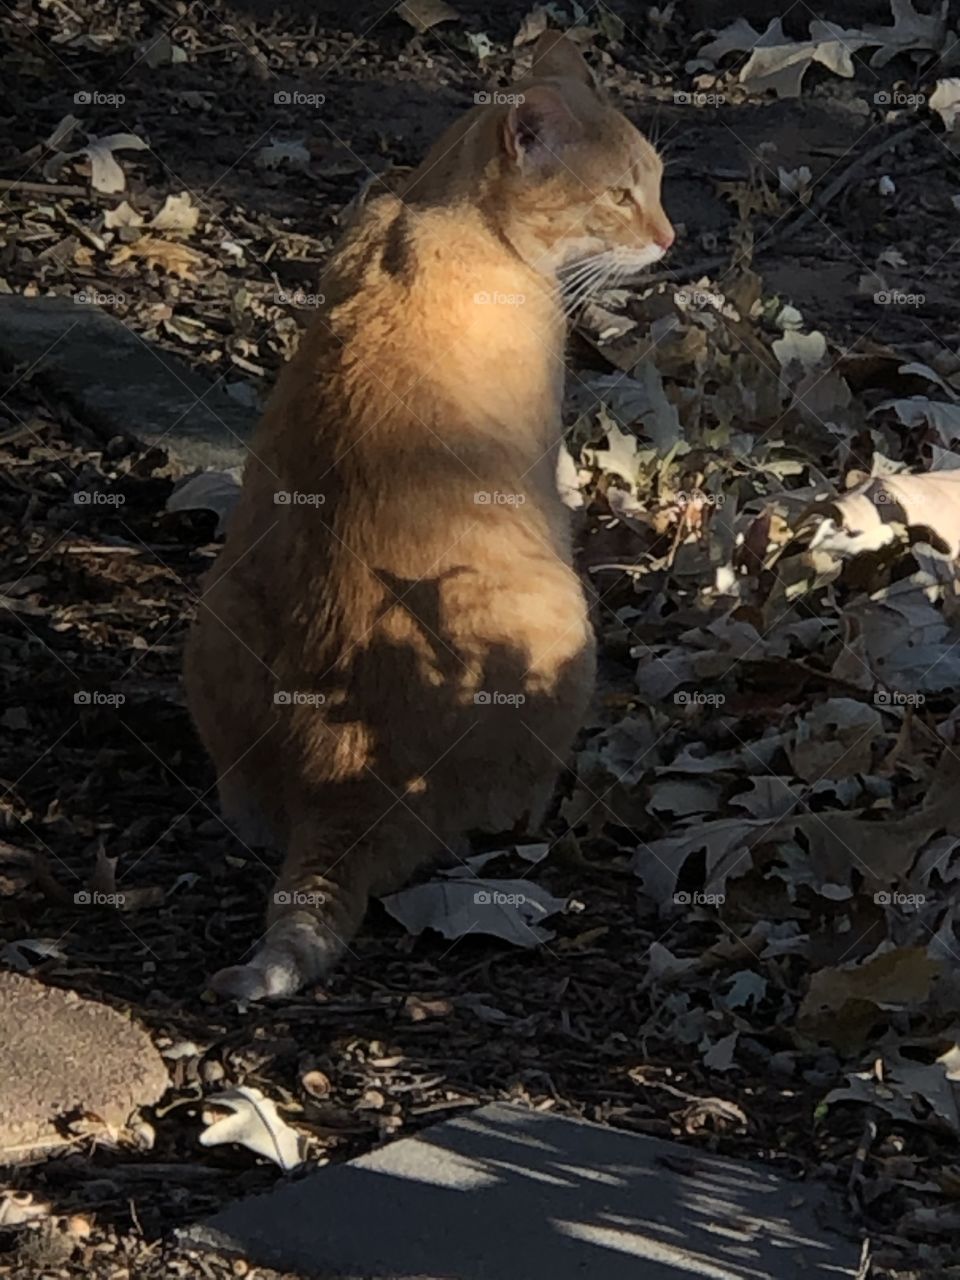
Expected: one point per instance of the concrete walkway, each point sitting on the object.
(120, 384)
(508, 1194)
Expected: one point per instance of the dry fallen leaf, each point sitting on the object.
(254, 1124)
(162, 52)
(104, 876)
(835, 739)
(178, 214)
(217, 491)
(105, 173)
(122, 216)
(177, 259)
(18, 869)
(456, 905)
(532, 26)
(725, 844)
(916, 1092)
(776, 62)
(719, 1057)
(843, 1003)
(910, 30)
(424, 14)
(103, 887)
(918, 411)
(19, 1207)
(945, 101)
(24, 954)
(861, 519)
(418, 1010)
(805, 350)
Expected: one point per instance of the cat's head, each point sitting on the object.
(576, 183)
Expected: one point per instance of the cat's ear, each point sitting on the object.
(538, 127)
(556, 56)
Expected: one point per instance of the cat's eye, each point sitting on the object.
(623, 197)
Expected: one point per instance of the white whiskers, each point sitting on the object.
(586, 278)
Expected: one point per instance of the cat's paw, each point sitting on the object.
(241, 982)
(246, 983)
(293, 956)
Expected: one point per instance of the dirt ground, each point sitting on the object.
(410, 1030)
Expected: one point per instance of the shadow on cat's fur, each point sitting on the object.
(370, 829)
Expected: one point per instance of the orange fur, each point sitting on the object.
(395, 595)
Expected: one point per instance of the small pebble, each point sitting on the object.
(211, 1071)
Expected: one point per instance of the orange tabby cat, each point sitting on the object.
(393, 650)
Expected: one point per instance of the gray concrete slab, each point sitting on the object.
(119, 383)
(509, 1194)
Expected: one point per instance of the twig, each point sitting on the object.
(813, 210)
(41, 188)
(96, 549)
(853, 170)
(694, 269)
(859, 1160)
(865, 1268)
(16, 433)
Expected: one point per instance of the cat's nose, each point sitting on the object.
(665, 238)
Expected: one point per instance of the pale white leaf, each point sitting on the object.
(917, 411)
(930, 500)
(122, 216)
(255, 1124)
(105, 173)
(424, 14)
(945, 101)
(804, 349)
(178, 214)
(217, 491)
(455, 906)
